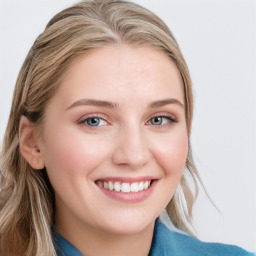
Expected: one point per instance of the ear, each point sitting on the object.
(28, 143)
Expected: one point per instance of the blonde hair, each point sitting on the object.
(27, 201)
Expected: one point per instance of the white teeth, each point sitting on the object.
(110, 185)
(146, 184)
(135, 187)
(125, 186)
(105, 185)
(117, 186)
(141, 186)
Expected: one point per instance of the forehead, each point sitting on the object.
(122, 71)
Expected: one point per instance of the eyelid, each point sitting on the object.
(164, 114)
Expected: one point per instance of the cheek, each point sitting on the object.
(72, 153)
(171, 153)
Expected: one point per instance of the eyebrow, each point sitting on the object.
(161, 103)
(93, 102)
(113, 105)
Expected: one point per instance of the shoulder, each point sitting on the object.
(167, 242)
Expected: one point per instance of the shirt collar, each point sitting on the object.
(64, 247)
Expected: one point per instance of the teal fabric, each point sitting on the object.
(166, 243)
(170, 243)
(63, 247)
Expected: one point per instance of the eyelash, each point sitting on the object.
(85, 119)
(170, 119)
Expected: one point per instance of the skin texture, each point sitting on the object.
(126, 143)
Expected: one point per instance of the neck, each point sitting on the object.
(91, 241)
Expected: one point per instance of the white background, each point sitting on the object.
(218, 40)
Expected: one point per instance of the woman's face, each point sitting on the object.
(115, 140)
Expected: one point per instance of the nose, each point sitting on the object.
(131, 148)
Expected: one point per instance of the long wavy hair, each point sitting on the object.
(27, 199)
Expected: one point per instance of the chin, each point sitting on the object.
(128, 224)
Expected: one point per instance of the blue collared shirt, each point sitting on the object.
(166, 243)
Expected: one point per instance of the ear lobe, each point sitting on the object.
(29, 144)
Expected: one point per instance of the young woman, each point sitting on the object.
(97, 143)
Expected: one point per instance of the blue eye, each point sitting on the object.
(93, 121)
(161, 120)
(157, 120)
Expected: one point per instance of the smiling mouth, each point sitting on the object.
(125, 187)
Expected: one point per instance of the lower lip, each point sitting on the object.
(129, 197)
